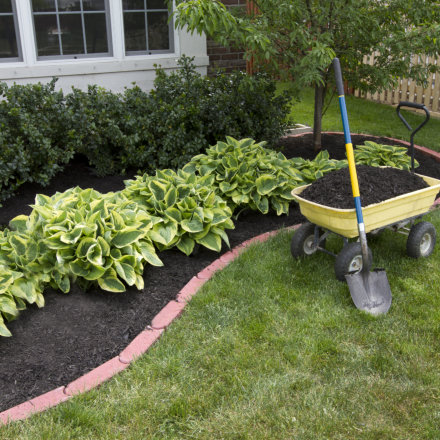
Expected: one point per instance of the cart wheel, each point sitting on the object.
(303, 239)
(421, 240)
(349, 260)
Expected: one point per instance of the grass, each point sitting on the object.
(273, 348)
(369, 118)
(265, 350)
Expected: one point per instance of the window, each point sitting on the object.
(146, 27)
(9, 42)
(71, 28)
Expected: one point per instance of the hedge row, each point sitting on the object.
(41, 129)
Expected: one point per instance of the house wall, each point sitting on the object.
(226, 58)
(114, 73)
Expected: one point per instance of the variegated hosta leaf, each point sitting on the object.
(248, 175)
(187, 206)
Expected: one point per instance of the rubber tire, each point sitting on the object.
(420, 232)
(298, 245)
(344, 260)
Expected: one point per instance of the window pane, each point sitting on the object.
(5, 6)
(96, 33)
(71, 34)
(46, 31)
(43, 5)
(156, 4)
(134, 28)
(8, 40)
(93, 5)
(69, 5)
(133, 4)
(158, 36)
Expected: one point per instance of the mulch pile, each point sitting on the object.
(376, 185)
(75, 333)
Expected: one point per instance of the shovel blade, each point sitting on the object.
(370, 291)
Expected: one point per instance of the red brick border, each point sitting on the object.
(140, 344)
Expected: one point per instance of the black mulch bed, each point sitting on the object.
(78, 331)
(377, 184)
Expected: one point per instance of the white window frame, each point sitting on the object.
(30, 66)
(82, 15)
(149, 51)
(17, 36)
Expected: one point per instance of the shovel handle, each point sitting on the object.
(351, 165)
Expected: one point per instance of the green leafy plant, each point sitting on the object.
(21, 278)
(34, 140)
(248, 175)
(377, 155)
(310, 170)
(190, 210)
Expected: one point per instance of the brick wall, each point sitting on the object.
(225, 58)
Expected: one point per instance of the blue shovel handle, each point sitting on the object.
(351, 164)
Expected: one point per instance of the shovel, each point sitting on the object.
(370, 291)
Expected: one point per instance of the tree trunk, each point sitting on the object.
(317, 119)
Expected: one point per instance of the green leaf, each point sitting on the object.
(25, 289)
(19, 244)
(19, 223)
(193, 225)
(84, 246)
(94, 255)
(3, 329)
(111, 284)
(158, 189)
(7, 305)
(149, 254)
(211, 241)
(186, 245)
(118, 221)
(164, 234)
(171, 197)
(173, 214)
(94, 272)
(126, 272)
(265, 184)
(126, 237)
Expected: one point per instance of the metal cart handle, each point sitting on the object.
(417, 106)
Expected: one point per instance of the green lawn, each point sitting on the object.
(370, 118)
(273, 348)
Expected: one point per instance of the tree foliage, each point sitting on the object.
(297, 39)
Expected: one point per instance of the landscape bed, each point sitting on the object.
(74, 333)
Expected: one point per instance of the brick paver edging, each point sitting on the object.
(152, 333)
(140, 344)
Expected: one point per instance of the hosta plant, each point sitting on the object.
(21, 280)
(310, 170)
(248, 175)
(190, 210)
(92, 237)
(377, 155)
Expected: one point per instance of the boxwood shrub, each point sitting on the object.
(41, 129)
(34, 135)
